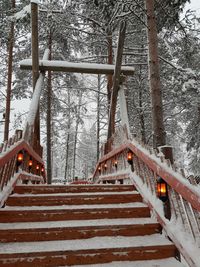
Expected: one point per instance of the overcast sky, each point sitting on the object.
(194, 5)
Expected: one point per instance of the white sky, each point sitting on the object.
(194, 5)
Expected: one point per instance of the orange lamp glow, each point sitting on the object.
(105, 166)
(30, 163)
(162, 189)
(130, 157)
(115, 163)
(20, 157)
(42, 169)
(37, 167)
(99, 169)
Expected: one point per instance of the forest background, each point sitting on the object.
(87, 31)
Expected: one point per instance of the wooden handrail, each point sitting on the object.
(174, 179)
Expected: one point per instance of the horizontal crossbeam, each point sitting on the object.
(64, 66)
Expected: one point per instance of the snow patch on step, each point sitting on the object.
(76, 223)
(170, 262)
(77, 194)
(76, 207)
(85, 244)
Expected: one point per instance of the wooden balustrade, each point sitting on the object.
(147, 167)
(10, 163)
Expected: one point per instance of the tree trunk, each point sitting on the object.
(35, 70)
(9, 82)
(68, 136)
(76, 135)
(154, 78)
(98, 116)
(49, 135)
(110, 61)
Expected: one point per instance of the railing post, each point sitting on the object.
(168, 153)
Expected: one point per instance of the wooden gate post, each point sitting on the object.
(35, 70)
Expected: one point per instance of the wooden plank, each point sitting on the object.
(65, 66)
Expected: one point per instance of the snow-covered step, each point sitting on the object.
(87, 251)
(84, 212)
(170, 262)
(47, 189)
(76, 230)
(73, 199)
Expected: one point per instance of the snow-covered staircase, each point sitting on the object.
(92, 225)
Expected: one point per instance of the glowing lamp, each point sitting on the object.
(130, 157)
(162, 193)
(99, 169)
(37, 167)
(42, 169)
(30, 163)
(20, 157)
(105, 166)
(115, 163)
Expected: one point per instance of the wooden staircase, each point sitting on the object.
(92, 225)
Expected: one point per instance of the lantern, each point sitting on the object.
(42, 169)
(20, 158)
(105, 166)
(162, 193)
(30, 163)
(115, 163)
(37, 167)
(130, 157)
(99, 169)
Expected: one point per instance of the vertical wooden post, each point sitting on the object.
(154, 77)
(115, 88)
(168, 153)
(9, 81)
(35, 68)
(49, 100)
(123, 107)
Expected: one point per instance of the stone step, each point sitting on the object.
(73, 199)
(48, 189)
(90, 251)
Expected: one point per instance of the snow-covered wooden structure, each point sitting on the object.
(96, 224)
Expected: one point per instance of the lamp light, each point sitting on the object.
(162, 193)
(130, 157)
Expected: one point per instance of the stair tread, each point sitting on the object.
(77, 207)
(169, 262)
(76, 223)
(86, 244)
(75, 194)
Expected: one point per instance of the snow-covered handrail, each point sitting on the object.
(20, 156)
(144, 172)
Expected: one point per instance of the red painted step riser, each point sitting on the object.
(59, 215)
(29, 235)
(70, 189)
(62, 258)
(75, 200)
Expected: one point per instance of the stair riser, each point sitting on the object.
(7, 216)
(71, 189)
(75, 200)
(30, 235)
(63, 258)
